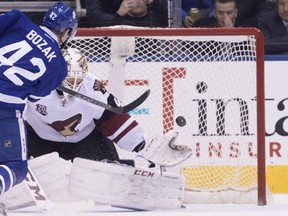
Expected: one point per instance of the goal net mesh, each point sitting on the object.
(205, 79)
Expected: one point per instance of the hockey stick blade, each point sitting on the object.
(117, 110)
(135, 103)
(37, 192)
(41, 199)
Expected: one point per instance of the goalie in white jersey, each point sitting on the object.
(76, 128)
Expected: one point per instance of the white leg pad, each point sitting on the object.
(17, 197)
(125, 186)
(50, 173)
(46, 169)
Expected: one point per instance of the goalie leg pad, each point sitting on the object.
(125, 186)
(46, 168)
(17, 197)
(50, 172)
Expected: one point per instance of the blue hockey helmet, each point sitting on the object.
(60, 17)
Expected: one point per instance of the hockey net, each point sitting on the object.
(213, 78)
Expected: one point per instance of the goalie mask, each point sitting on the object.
(77, 68)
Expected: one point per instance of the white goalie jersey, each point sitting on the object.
(63, 118)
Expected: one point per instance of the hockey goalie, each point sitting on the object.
(144, 187)
(85, 133)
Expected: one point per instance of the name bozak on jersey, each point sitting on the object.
(31, 63)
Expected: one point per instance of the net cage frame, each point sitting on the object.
(260, 88)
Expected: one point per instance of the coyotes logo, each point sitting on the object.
(67, 127)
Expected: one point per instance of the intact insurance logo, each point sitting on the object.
(221, 128)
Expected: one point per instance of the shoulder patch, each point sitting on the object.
(99, 86)
(41, 109)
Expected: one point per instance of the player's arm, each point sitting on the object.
(122, 129)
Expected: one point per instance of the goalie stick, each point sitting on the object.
(47, 205)
(117, 110)
(37, 192)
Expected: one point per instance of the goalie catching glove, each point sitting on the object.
(164, 151)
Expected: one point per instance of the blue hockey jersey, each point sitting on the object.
(31, 63)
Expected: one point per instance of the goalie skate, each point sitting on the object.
(125, 186)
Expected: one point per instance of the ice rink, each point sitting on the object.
(278, 208)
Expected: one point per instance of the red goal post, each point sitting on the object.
(213, 78)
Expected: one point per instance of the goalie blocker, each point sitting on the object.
(125, 186)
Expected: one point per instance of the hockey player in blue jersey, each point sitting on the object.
(31, 66)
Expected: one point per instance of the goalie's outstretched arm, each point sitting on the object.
(163, 150)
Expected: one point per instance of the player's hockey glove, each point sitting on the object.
(164, 151)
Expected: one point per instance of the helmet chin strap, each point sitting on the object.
(76, 87)
(64, 43)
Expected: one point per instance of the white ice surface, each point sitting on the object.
(278, 208)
